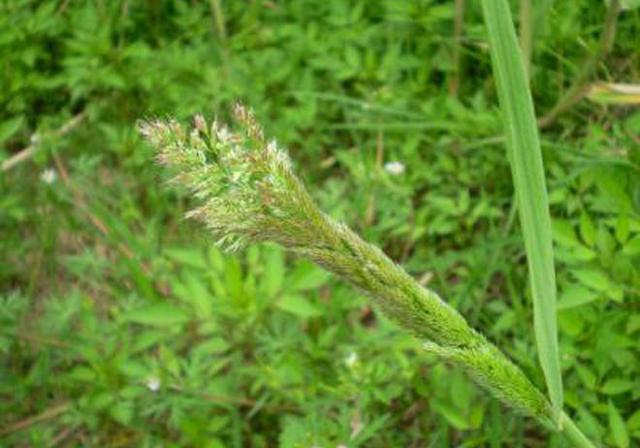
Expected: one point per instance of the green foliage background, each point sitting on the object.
(106, 291)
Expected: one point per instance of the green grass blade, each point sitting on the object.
(528, 174)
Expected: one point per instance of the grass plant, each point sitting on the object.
(248, 193)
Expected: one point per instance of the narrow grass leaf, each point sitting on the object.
(526, 166)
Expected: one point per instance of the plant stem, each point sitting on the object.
(218, 19)
(573, 433)
(221, 29)
(526, 34)
(454, 83)
(30, 150)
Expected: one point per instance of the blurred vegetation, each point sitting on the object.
(121, 325)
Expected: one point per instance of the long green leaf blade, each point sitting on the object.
(529, 182)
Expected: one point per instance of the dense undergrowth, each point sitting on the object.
(121, 325)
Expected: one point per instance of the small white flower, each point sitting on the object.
(351, 360)
(394, 168)
(48, 176)
(153, 383)
(35, 139)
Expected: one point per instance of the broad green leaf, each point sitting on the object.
(606, 242)
(233, 279)
(571, 321)
(527, 169)
(10, 127)
(597, 280)
(81, 374)
(587, 376)
(634, 421)
(593, 278)
(214, 345)
(148, 338)
(453, 416)
(273, 278)
(632, 247)
(141, 278)
(187, 257)
(299, 305)
(633, 324)
(306, 276)
(616, 386)
(193, 291)
(215, 258)
(564, 233)
(461, 391)
(618, 428)
(158, 314)
(587, 229)
(614, 196)
(122, 411)
(576, 295)
(576, 255)
(622, 228)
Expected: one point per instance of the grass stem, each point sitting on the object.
(458, 24)
(573, 433)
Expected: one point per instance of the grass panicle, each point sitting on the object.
(249, 193)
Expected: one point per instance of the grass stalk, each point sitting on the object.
(249, 194)
(221, 30)
(218, 19)
(573, 433)
(458, 25)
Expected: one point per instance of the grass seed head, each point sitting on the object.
(244, 183)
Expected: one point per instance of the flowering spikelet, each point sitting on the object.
(248, 193)
(247, 190)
